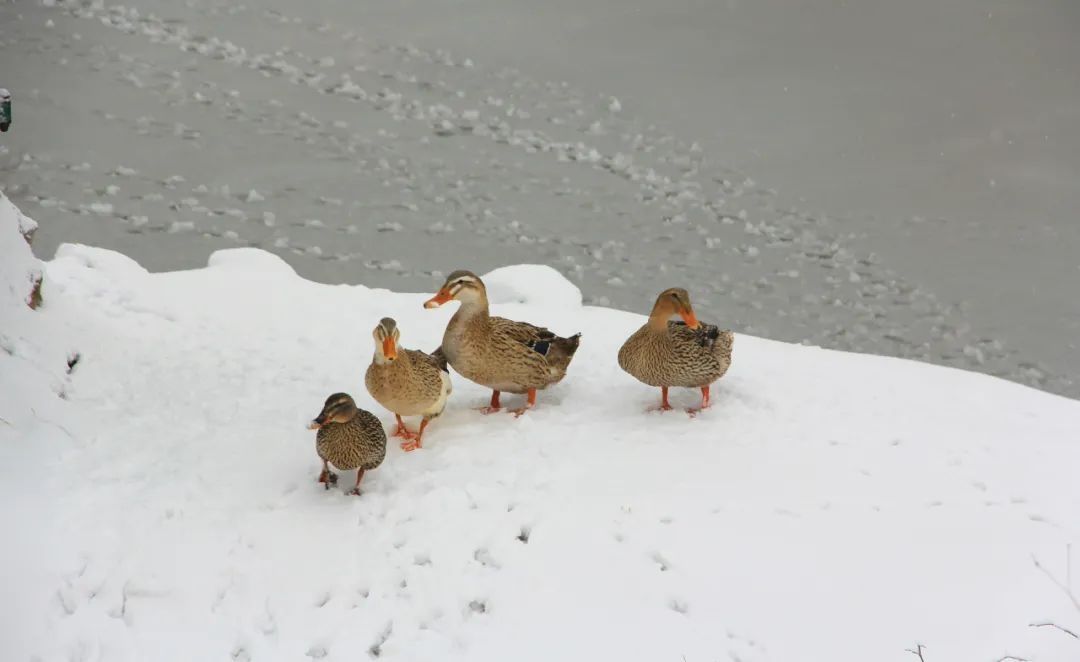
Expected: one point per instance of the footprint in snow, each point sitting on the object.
(484, 558)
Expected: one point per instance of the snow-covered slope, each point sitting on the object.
(830, 506)
(33, 417)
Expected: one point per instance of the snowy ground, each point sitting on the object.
(830, 506)
(372, 142)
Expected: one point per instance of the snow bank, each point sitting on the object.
(250, 260)
(829, 506)
(34, 426)
(533, 285)
(32, 358)
(19, 270)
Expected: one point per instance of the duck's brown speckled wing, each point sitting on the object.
(703, 353)
(706, 336)
(357, 444)
(555, 350)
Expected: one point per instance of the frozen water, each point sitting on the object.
(630, 145)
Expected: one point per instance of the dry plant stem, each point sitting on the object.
(917, 651)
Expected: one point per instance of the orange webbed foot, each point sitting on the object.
(401, 430)
(530, 402)
(327, 478)
(518, 412)
(704, 403)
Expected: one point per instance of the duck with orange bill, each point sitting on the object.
(685, 353)
(408, 382)
(501, 354)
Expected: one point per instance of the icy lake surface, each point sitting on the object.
(896, 178)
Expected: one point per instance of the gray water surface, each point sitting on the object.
(895, 178)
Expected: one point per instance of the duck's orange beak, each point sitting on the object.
(389, 348)
(690, 318)
(314, 425)
(439, 299)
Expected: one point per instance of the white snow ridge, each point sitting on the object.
(161, 502)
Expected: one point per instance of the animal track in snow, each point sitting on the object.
(484, 558)
(376, 647)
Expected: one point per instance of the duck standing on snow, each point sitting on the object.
(498, 353)
(349, 438)
(666, 352)
(408, 382)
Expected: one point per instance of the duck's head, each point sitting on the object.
(386, 336)
(339, 408)
(463, 286)
(674, 301)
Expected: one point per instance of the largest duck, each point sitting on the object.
(501, 354)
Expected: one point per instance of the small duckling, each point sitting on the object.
(349, 438)
(408, 382)
(686, 353)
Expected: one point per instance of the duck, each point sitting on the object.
(408, 382)
(348, 438)
(501, 354)
(683, 353)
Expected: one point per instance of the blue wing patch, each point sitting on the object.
(541, 346)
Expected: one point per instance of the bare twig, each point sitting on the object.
(53, 423)
(1012, 658)
(1067, 590)
(1055, 625)
(917, 651)
(1068, 565)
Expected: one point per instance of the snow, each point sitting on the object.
(532, 284)
(830, 506)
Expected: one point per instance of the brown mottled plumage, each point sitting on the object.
(501, 354)
(408, 382)
(668, 353)
(349, 438)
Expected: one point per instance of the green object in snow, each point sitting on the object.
(5, 109)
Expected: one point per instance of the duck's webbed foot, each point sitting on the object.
(402, 430)
(355, 491)
(328, 478)
(414, 443)
(704, 402)
(664, 404)
(529, 404)
(495, 405)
